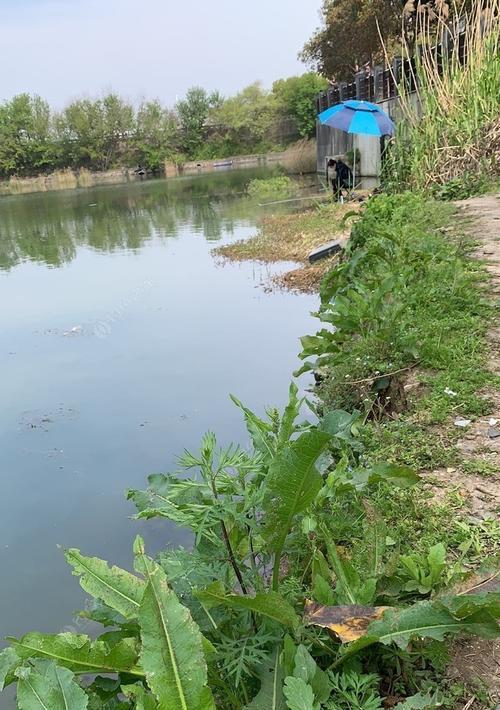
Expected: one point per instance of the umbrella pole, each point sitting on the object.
(354, 166)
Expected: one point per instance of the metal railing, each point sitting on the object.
(380, 83)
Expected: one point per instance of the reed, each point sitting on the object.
(450, 134)
(300, 157)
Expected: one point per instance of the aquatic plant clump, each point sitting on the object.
(270, 188)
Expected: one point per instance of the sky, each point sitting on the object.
(63, 49)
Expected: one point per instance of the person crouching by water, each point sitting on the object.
(340, 176)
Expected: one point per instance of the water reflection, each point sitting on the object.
(117, 361)
(49, 227)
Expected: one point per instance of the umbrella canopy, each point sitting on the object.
(360, 117)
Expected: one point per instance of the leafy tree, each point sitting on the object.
(193, 112)
(245, 122)
(349, 36)
(296, 98)
(156, 135)
(26, 136)
(94, 134)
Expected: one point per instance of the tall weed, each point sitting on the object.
(449, 137)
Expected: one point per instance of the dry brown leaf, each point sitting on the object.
(347, 622)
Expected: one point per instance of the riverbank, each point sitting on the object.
(67, 180)
(292, 237)
(416, 351)
(328, 556)
(298, 158)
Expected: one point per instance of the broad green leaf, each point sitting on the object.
(288, 655)
(103, 614)
(269, 604)
(290, 414)
(305, 667)
(9, 660)
(172, 647)
(292, 484)
(116, 587)
(270, 695)
(299, 695)
(79, 653)
(348, 581)
(166, 497)
(261, 432)
(142, 698)
(51, 687)
(429, 620)
(464, 605)
(343, 426)
(421, 701)
(322, 591)
(436, 560)
(400, 476)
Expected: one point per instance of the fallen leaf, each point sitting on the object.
(348, 622)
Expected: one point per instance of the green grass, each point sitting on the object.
(431, 321)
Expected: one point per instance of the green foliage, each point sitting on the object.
(271, 605)
(172, 646)
(270, 188)
(155, 136)
(348, 36)
(353, 691)
(425, 573)
(45, 686)
(296, 96)
(246, 122)
(421, 701)
(270, 695)
(109, 132)
(115, 587)
(404, 294)
(193, 112)
(448, 146)
(210, 628)
(299, 695)
(292, 484)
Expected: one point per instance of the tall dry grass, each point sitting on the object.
(300, 157)
(451, 132)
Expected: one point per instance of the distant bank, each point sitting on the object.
(300, 157)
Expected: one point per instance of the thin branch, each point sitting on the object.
(380, 377)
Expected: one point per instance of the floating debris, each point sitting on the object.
(75, 330)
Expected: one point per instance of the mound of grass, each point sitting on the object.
(270, 188)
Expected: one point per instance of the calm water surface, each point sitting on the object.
(120, 338)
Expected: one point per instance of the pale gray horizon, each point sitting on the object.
(64, 49)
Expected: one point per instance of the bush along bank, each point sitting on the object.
(319, 577)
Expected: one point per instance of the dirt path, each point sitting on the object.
(479, 658)
(482, 438)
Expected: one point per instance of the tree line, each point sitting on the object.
(109, 132)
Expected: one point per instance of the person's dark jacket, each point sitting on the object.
(344, 174)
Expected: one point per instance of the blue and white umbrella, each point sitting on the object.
(358, 117)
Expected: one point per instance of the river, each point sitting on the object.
(121, 337)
